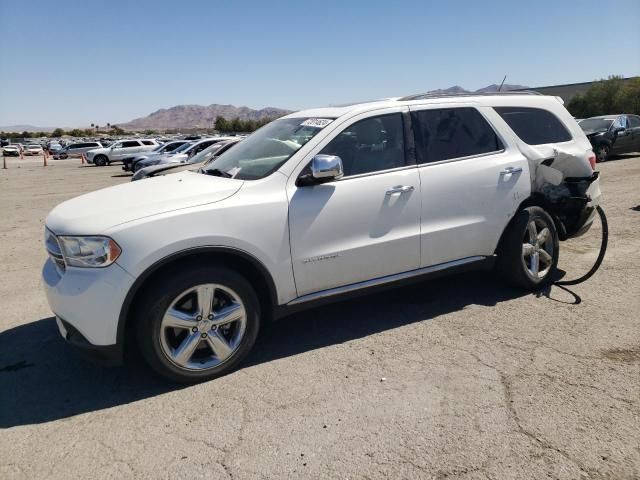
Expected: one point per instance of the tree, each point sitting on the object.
(57, 133)
(607, 97)
(221, 124)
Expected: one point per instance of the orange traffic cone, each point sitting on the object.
(82, 162)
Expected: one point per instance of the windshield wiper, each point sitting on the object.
(216, 172)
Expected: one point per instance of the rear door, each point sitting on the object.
(130, 148)
(472, 182)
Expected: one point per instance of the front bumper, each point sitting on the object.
(102, 354)
(88, 301)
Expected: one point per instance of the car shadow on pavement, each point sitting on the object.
(42, 379)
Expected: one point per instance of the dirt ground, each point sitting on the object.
(459, 378)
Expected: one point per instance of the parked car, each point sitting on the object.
(75, 150)
(193, 164)
(127, 164)
(119, 151)
(612, 134)
(33, 149)
(179, 156)
(11, 150)
(317, 205)
(53, 147)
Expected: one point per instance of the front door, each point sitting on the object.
(365, 225)
(624, 139)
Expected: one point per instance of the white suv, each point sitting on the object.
(320, 203)
(119, 151)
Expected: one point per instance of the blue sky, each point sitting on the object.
(70, 63)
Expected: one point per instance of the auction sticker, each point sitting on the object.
(316, 122)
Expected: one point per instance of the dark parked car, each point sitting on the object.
(612, 134)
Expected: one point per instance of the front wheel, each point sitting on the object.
(528, 253)
(198, 324)
(602, 152)
(100, 161)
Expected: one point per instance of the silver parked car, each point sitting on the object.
(168, 147)
(75, 149)
(181, 155)
(196, 162)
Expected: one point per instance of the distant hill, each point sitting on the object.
(488, 89)
(25, 128)
(198, 116)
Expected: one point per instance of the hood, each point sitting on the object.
(591, 131)
(96, 212)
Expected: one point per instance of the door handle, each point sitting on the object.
(509, 170)
(399, 189)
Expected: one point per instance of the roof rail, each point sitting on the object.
(425, 96)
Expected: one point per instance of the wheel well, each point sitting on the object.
(535, 200)
(241, 262)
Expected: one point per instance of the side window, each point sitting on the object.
(147, 142)
(370, 145)
(634, 122)
(130, 144)
(452, 133)
(534, 126)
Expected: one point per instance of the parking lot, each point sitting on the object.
(454, 378)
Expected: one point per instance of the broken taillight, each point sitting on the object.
(592, 160)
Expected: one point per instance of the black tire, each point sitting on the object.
(157, 299)
(512, 264)
(100, 161)
(602, 152)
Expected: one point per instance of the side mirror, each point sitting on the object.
(326, 167)
(621, 130)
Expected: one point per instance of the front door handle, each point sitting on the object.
(509, 170)
(399, 189)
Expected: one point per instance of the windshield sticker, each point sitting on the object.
(316, 122)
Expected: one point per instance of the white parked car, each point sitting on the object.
(120, 151)
(33, 150)
(12, 150)
(319, 204)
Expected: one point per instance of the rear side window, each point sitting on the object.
(147, 142)
(534, 126)
(634, 122)
(130, 144)
(449, 133)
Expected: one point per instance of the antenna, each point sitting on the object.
(500, 87)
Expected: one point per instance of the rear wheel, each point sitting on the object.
(198, 325)
(602, 152)
(100, 160)
(529, 249)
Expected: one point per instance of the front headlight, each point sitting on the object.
(89, 251)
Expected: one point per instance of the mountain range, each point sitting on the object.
(200, 116)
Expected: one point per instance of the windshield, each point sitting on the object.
(207, 153)
(263, 152)
(596, 124)
(182, 148)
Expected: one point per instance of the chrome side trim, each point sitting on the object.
(382, 280)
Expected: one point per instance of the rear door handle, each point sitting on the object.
(399, 189)
(509, 170)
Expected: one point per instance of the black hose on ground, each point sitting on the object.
(603, 249)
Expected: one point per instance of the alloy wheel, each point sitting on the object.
(537, 249)
(203, 327)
